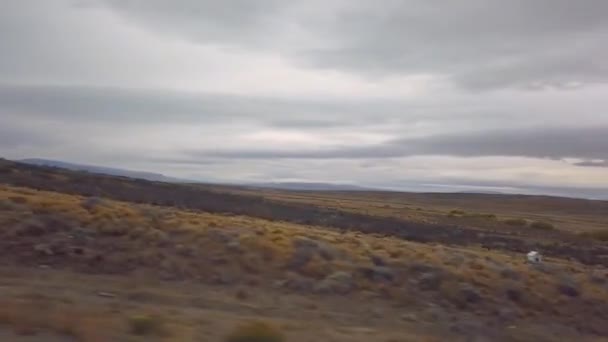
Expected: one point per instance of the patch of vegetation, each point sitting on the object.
(601, 235)
(257, 331)
(517, 222)
(456, 212)
(482, 216)
(542, 225)
(147, 325)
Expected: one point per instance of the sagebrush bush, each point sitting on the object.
(542, 225)
(257, 331)
(146, 325)
(601, 235)
(516, 222)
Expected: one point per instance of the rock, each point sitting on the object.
(234, 246)
(409, 317)
(377, 260)
(91, 203)
(300, 257)
(339, 282)
(305, 249)
(106, 295)
(377, 273)
(506, 314)
(513, 294)
(219, 259)
(277, 284)
(298, 283)
(81, 235)
(430, 281)
(220, 236)
(31, 228)
(43, 249)
(599, 277)
(470, 294)
(376, 312)
(508, 273)
(568, 289)
(420, 268)
(224, 278)
(78, 251)
(184, 251)
(455, 260)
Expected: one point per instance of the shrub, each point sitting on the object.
(542, 225)
(456, 212)
(255, 332)
(483, 216)
(601, 235)
(516, 222)
(145, 325)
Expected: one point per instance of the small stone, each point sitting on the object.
(430, 281)
(378, 273)
(43, 249)
(569, 290)
(106, 294)
(470, 294)
(91, 202)
(234, 245)
(339, 282)
(377, 313)
(508, 273)
(299, 284)
(409, 317)
(378, 260)
(513, 294)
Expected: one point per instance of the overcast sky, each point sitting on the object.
(406, 94)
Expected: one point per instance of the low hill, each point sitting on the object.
(101, 170)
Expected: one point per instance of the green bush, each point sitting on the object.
(542, 225)
(255, 332)
(516, 222)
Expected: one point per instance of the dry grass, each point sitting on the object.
(257, 331)
(31, 318)
(147, 325)
(542, 225)
(600, 235)
(518, 222)
(121, 238)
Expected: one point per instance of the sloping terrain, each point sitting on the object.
(457, 230)
(351, 286)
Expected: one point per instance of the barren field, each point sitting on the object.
(87, 257)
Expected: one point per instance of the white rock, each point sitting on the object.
(534, 257)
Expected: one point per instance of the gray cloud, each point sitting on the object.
(319, 90)
(479, 44)
(547, 142)
(83, 103)
(113, 104)
(592, 163)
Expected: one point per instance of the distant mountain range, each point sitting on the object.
(306, 186)
(599, 194)
(300, 186)
(157, 177)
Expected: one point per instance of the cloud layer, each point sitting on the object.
(417, 94)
